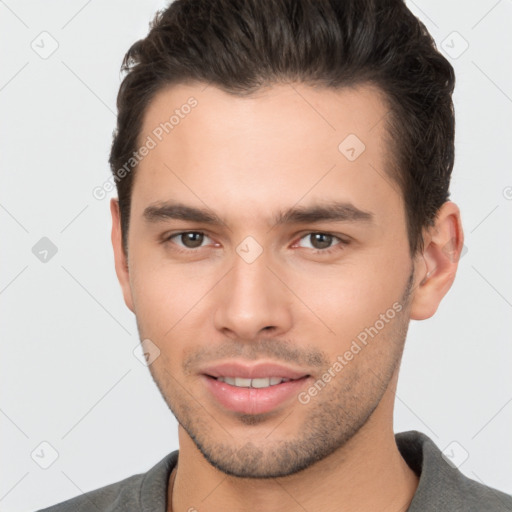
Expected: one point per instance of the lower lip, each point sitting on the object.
(253, 400)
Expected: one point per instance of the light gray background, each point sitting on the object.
(69, 374)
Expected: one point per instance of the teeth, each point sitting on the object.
(242, 383)
(252, 383)
(261, 383)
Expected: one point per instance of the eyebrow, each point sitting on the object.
(333, 211)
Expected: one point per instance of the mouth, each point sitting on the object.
(256, 389)
(259, 383)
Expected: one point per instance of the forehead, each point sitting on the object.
(314, 110)
(284, 144)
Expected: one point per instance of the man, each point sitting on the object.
(283, 174)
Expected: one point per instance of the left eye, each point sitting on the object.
(321, 241)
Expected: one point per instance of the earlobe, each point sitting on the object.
(443, 246)
(120, 260)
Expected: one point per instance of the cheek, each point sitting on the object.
(348, 298)
(167, 307)
(164, 296)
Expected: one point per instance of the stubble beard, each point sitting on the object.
(333, 417)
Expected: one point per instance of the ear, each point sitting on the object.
(438, 262)
(120, 258)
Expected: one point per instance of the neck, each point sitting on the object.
(366, 474)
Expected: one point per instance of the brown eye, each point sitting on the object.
(192, 239)
(186, 239)
(322, 243)
(321, 240)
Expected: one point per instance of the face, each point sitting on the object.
(268, 263)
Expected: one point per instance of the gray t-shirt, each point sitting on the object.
(441, 486)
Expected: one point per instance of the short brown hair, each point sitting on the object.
(241, 46)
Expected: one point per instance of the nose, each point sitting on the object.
(252, 301)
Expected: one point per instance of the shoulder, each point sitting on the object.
(441, 485)
(124, 493)
(145, 491)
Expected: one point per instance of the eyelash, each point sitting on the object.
(340, 246)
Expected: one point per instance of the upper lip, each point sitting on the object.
(252, 371)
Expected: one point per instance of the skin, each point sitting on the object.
(246, 159)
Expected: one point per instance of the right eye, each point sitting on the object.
(187, 240)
